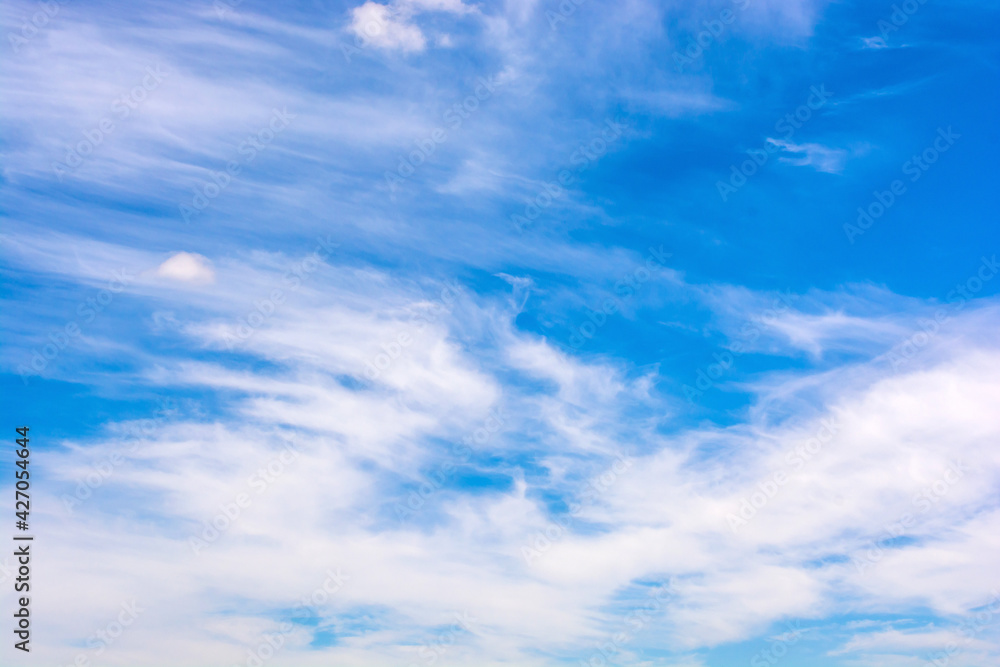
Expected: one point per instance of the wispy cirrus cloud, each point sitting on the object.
(819, 157)
(362, 442)
(337, 349)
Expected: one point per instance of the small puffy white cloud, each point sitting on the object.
(386, 27)
(389, 26)
(187, 267)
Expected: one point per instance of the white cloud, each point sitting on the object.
(363, 439)
(360, 438)
(819, 157)
(874, 43)
(187, 267)
(391, 26)
(385, 27)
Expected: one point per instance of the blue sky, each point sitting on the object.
(524, 333)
